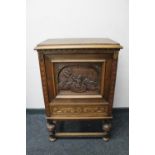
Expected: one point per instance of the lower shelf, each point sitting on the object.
(79, 134)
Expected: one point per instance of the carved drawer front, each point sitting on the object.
(79, 110)
(76, 77)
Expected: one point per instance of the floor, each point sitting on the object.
(38, 144)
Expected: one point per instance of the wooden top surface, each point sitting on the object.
(75, 43)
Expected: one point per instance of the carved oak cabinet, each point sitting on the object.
(78, 81)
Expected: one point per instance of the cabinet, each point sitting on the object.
(78, 81)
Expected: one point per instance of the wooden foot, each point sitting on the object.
(52, 138)
(106, 128)
(106, 139)
(51, 128)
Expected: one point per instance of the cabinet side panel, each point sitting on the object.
(113, 80)
(44, 82)
(107, 78)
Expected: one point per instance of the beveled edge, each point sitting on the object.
(59, 118)
(78, 46)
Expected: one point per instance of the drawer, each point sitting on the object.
(79, 108)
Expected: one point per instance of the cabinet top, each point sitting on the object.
(76, 43)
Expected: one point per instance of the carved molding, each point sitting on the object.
(58, 110)
(44, 84)
(113, 79)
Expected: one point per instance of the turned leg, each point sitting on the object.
(51, 126)
(106, 130)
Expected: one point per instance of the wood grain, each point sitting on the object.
(79, 134)
(78, 43)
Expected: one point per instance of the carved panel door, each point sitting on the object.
(77, 76)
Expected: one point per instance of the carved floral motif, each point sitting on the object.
(79, 109)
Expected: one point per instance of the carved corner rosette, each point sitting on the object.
(115, 55)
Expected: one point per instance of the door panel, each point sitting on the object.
(77, 76)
